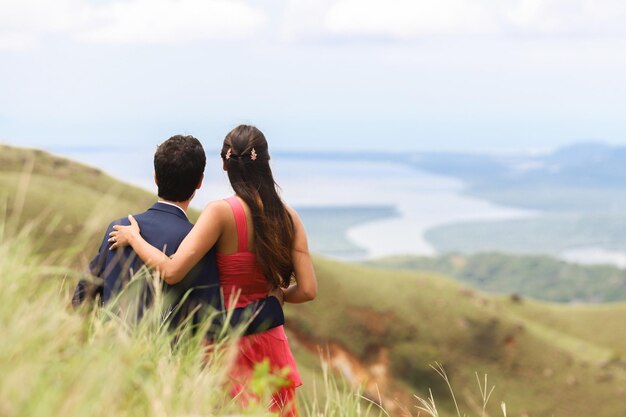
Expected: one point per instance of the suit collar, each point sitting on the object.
(169, 208)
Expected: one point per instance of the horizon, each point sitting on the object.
(327, 153)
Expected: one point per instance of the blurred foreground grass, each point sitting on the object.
(55, 361)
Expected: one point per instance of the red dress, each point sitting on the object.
(241, 275)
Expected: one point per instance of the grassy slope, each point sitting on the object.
(70, 203)
(543, 358)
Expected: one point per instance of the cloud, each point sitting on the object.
(304, 18)
(415, 18)
(406, 18)
(24, 23)
(169, 21)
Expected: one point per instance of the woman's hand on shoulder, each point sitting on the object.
(124, 235)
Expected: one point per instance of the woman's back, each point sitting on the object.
(240, 274)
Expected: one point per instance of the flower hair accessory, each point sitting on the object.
(253, 155)
(230, 151)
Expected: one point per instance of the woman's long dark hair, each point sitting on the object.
(246, 159)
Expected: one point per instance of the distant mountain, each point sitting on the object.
(578, 193)
(594, 165)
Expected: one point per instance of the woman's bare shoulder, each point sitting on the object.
(294, 216)
(217, 208)
(292, 212)
(217, 204)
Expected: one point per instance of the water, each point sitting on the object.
(422, 200)
(593, 255)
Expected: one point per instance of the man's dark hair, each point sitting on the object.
(179, 164)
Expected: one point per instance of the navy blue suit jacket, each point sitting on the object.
(165, 226)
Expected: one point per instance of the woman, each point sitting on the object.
(261, 245)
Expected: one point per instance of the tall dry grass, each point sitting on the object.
(101, 361)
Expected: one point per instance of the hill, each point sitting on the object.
(379, 326)
(68, 204)
(544, 359)
(540, 277)
(576, 171)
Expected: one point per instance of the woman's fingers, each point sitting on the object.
(120, 234)
(133, 222)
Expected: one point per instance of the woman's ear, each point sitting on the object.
(224, 166)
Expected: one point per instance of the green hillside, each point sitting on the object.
(70, 204)
(545, 359)
(379, 326)
(541, 277)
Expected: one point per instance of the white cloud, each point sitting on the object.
(304, 18)
(406, 18)
(23, 23)
(567, 17)
(170, 21)
(414, 18)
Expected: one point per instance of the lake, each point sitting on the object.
(366, 208)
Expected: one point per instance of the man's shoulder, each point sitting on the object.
(123, 221)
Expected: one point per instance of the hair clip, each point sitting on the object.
(228, 153)
(253, 155)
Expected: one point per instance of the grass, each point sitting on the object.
(56, 362)
(429, 406)
(541, 358)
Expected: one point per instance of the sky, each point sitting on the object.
(366, 75)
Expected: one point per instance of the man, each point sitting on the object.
(179, 164)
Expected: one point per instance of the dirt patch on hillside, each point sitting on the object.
(371, 373)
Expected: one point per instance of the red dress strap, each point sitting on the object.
(240, 222)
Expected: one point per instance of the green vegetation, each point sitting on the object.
(540, 277)
(74, 201)
(408, 320)
(385, 324)
(58, 362)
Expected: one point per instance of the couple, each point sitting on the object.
(252, 241)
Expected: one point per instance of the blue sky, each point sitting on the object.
(327, 74)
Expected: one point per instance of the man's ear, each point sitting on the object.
(155, 180)
(200, 183)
